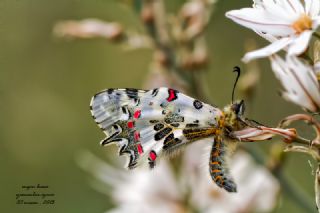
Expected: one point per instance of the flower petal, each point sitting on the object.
(268, 50)
(289, 6)
(260, 20)
(315, 22)
(288, 81)
(300, 44)
(267, 36)
(299, 81)
(257, 4)
(308, 78)
(281, 10)
(312, 7)
(296, 6)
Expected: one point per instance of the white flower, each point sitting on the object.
(287, 24)
(299, 81)
(257, 189)
(88, 28)
(191, 189)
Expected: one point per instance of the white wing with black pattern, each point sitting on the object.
(145, 124)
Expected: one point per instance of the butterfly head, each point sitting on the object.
(234, 115)
(238, 108)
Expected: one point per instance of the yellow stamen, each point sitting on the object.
(303, 23)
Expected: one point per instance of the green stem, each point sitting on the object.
(317, 186)
(303, 141)
(297, 195)
(317, 35)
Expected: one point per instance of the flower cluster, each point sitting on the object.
(163, 190)
(288, 25)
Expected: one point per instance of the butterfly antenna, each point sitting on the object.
(235, 69)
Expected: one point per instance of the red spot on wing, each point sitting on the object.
(172, 95)
(130, 124)
(153, 155)
(140, 149)
(137, 114)
(137, 136)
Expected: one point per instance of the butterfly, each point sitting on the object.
(147, 124)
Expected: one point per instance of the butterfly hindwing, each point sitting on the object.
(111, 110)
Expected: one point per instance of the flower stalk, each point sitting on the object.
(317, 186)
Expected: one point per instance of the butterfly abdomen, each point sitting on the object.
(218, 167)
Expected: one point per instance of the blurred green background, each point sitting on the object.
(46, 84)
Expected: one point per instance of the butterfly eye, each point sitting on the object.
(239, 108)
